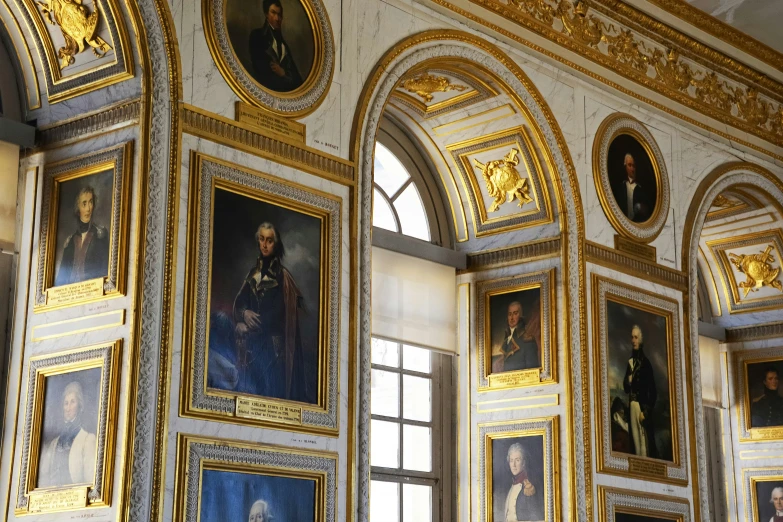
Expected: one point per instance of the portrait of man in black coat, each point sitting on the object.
(520, 345)
(632, 178)
(639, 384)
(272, 60)
(766, 409)
(85, 252)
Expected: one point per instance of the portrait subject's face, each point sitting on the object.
(516, 462)
(274, 17)
(771, 381)
(70, 407)
(256, 514)
(86, 206)
(777, 499)
(514, 314)
(636, 338)
(630, 167)
(266, 242)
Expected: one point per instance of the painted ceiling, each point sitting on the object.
(760, 19)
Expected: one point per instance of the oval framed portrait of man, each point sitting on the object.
(275, 54)
(630, 177)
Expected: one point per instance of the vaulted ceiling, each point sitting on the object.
(761, 19)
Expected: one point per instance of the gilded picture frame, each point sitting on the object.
(525, 290)
(535, 442)
(751, 368)
(618, 136)
(630, 416)
(107, 175)
(87, 380)
(313, 473)
(616, 502)
(211, 388)
(227, 42)
(757, 484)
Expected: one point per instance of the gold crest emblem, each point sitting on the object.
(503, 180)
(425, 84)
(758, 270)
(77, 25)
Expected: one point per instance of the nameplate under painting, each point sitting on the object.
(270, 123)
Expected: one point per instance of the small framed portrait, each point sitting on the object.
(619, 505)
(640, 392)
(224, 480)
(764, 490)
(516, 337)
(630, 177)
(275, 54)
(84, 229)
(760, 393)
(518, 463)
(262, 338)
(68, 447)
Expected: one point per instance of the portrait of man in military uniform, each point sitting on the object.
(769, 501)
(766, 402)
(638, 380)
(83, 235)
(264, 299)
(518, 479)
(515, 322)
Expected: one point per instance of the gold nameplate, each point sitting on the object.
(59, 500)
(646, 467)
(262, 410)
(767, 433)
(640, 250)
(504, 380)
(270, 123)
(61, 295)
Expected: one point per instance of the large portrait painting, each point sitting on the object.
(619, 505)
(759, 393)
(264, 342)
(630, 177)
(84, 229)
(276, 54)
(518, 478)
(516, 338)
(67, 455)
(226, 480)
(639, 374)
(763, 491)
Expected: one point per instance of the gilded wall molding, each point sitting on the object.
(756, 332)
(514, 254)
(610, 258)
(213, 127)
(86, 126)
(675, 70)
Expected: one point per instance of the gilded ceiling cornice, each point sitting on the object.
(723, 31)
(89, 125)
(611, 258)
(754, 333)
(652, 54)
(512, 255)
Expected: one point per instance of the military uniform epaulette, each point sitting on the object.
(100, 231)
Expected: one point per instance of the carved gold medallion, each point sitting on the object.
(758, 270)
(504, 184)
(425, 84)
(77, 25)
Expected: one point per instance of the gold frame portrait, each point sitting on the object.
(197, 399)
(297, 103)
(742, 387)
(545, 427)
(119, 161)
(615, 500)
(32, 499)
(196, 454)
(547, 372)
(751, 477)
(625, 464)
(624, 124)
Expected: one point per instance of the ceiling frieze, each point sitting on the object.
(650, 53)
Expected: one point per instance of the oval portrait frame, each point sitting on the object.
(612, 127)
(299, 102)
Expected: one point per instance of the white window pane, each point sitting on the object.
(385, 393)
(385, 353)
(382, 215)
(416, 503)
(416, 359)
(384, 501)
(418, 448)
(389, 173)
(416, 398)
(410, 210)
(384, 444)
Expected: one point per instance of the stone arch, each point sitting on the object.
(459, 45)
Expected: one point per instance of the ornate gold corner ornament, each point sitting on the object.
(724, 202)
(77, 25)
(424, 85)
(504, 184)
(758, 270)
(653, 55)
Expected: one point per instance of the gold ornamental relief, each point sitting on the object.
(77, 25)
(722, 201)
(758, 270)
(587, 30)
(504, 184)
(424, 85)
